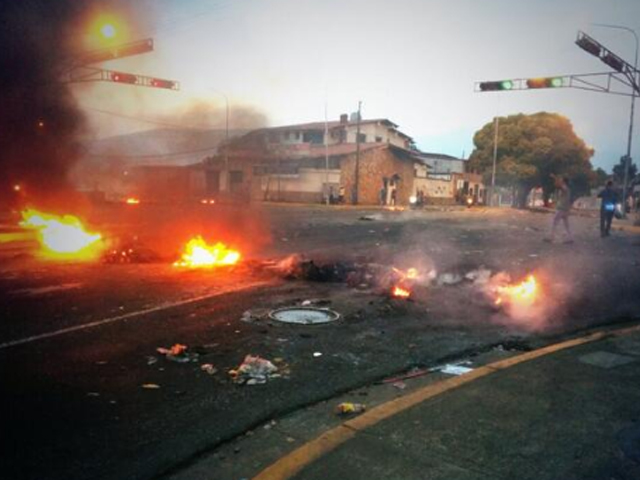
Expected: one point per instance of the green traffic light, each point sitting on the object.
(506, 85)
(556, 82)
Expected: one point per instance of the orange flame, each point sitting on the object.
(198, 254)
(523, 293)
(410, 274)
(133, 201)
(63, 237)
(400, 292)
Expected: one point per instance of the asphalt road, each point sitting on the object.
(78, 342)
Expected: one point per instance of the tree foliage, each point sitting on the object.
(618, 172)
(530, 149)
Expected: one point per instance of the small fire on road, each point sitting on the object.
(523, 294)
(63, 237)
(198, 254)
(405, 282)
(400, 292)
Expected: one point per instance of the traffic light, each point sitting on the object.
(124, 77)
(496, 86)
(588, 44)
(613, 61)
(118, 51)
(159, 83)
(549, 82)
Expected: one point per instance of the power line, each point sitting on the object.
(159, 155)
(147, 120)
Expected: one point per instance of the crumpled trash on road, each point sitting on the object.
(346, 408)
(254, 316)
(254, 370)
(480, 276)
(208, 368)
(178, 353)
(449, 279)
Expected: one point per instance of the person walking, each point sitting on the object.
(607, 208)
(563, 209)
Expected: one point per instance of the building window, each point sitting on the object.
(235, 176)
(313, 137)
(378, 139)
(362, 137)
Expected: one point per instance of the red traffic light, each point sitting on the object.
(550, 82)
(124, 77)
(159, 83)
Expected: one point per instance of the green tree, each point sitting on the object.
(618, 172)
(532, 148)
(600, 178)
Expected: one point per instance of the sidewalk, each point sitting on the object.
(568, 414)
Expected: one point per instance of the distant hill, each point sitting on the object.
(165, 146)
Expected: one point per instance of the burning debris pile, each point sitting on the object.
(198, 254)
(524, 302)
(130, 250)
(63, 237)
(390, 281)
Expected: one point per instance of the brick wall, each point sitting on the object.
(376, 164)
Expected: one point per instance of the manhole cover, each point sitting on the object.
(304, 315)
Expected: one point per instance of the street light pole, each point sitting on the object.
(227, 183)
(496, 124)
(627, 158)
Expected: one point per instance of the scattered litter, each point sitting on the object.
(150, 386)
(291, 439)
(102, 362)
(347, 408)
(413, 373)
(400, 385)
(449, 279)
(480, 276)
(208, 368)
(254, 316)
(93, 394)
(178, 353)
(317, 354)
(315, 302)
(253, 371)
(533, 255)
(455, 369)
(367, 218)
(151, 360)
(270, 425)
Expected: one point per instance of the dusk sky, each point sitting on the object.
(414, 62)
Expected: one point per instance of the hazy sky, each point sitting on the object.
(412, 61)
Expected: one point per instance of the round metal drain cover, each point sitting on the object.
(304, 315)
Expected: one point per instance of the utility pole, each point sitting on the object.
(326, 155)
(357, 173)
(496, 123)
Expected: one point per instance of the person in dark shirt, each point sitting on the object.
(607, 208)
(563, 209)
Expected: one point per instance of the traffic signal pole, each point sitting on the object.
(80, 68)
(627, 163)
(623, 74)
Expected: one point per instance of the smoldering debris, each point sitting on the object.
(130, 250)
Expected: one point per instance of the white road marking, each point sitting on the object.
(139, 313)
(43, 290)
